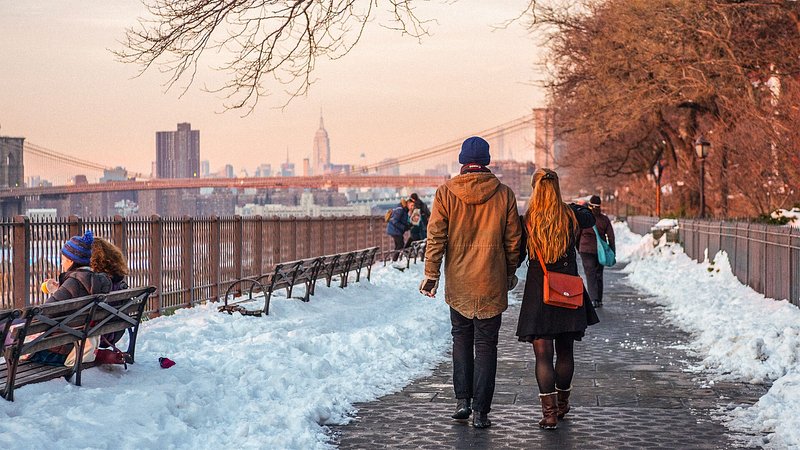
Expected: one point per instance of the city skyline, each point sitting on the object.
(391, 95)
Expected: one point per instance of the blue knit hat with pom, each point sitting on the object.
(474, 150)
(79, 248)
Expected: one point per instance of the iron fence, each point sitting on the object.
(641, 224)
(764, 257)
(189, 260)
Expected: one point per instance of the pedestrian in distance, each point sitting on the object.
(474, 227)
(423, 207)
(587, 247)
(552, 229)
(396, 227)
(419, 224)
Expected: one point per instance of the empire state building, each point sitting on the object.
(322, 150)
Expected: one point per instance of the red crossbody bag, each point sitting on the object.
(561, 289)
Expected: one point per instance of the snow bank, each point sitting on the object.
(792, 214)
(739, 334)
(245, 382)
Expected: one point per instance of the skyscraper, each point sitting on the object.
(178, 153)
(321, 156)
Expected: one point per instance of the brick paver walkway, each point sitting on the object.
(629, 392)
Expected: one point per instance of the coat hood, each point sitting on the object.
(474, 188)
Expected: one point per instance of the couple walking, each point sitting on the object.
(475, 228)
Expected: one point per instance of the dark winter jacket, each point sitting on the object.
(80, 282)
(118, 283)
(398, 223)
(423, 208)
(588, 240)
(419, 231)
(539, 320)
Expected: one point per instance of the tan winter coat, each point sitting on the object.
(475, 227)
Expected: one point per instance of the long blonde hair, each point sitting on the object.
(549, 221)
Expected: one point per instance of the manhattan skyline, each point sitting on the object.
(391, 95)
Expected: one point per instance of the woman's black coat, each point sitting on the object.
(539, 320)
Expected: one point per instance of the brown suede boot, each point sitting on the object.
(563, 401)
(549, 411)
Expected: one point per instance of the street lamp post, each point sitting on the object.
(658, 170)
(701, 148)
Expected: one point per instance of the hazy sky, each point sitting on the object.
(63, 89)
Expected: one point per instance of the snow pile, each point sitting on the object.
(245, 382)
(739, 334)
(792, 214)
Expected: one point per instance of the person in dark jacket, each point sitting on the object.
(552, 229)
(107, 258)
(397, 226)
(587, 246)
(76, 280)
(419, 225)
(423, 208)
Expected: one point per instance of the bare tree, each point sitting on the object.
(263, 40)
(637, 82)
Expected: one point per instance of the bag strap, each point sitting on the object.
(541, 261)
(597, 233)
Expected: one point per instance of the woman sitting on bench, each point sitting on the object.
(76, 280)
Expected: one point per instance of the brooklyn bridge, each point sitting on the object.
(527, 138)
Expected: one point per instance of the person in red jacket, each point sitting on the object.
(588, 249)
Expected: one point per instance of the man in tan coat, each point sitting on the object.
(475, 227)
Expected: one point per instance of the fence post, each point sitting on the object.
(320, 236)
(309, 250)
(258, 247)
(237, 247)
(21, 263)
(187, 253)
(156, 226)
(74, 225)
(276, 240)
(364, 222)
(215, 247)
(747, 242)
(292, 238)
(118, 234)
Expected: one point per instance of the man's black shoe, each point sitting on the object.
(481, 420)
(463, 409)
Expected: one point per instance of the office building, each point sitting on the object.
(178, 153)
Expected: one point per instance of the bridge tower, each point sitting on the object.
(12, 174)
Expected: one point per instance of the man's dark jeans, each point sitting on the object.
(474, 358)
(399, 244)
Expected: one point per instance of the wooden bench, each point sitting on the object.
(416, 251)
(66, 323)
(120, 311)
(289, 274)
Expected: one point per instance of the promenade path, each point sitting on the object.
(630, 392)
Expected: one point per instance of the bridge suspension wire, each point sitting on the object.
(52, 155)
(442, 149)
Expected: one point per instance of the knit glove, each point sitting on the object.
(428, 287)
(512, 282)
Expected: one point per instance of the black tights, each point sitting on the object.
(547, 376)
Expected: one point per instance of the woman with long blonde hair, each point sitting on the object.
(551, 227)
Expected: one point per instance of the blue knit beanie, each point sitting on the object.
(474, 150)
(79, 248)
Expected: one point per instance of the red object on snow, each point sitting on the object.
(166, 363)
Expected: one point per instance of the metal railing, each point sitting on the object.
(764, 257)
(641, 224)
(189, 260)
